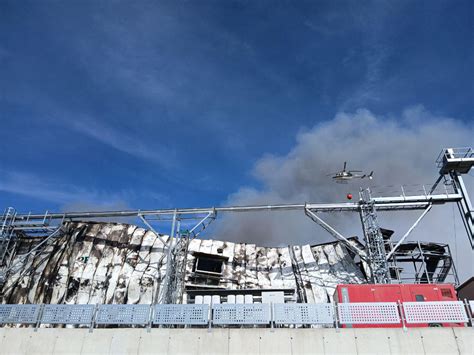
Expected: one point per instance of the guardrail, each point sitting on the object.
(375, 314)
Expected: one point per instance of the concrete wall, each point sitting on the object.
(237, 341)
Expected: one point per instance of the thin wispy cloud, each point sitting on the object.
(120, 140)
(63, 194)
(36, 187)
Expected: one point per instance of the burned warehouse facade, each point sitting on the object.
(109, 263)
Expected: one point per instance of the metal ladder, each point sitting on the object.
(375, 244)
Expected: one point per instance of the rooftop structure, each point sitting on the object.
(181, 263)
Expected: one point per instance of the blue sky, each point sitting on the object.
(149, 104)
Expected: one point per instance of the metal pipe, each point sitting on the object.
(382, 203)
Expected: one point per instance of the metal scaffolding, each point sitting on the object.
(378, 253)
(374, 241)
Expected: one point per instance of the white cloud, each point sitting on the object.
(125, 142)
(34, 186)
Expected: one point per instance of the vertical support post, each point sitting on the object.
(453, 266)
(435, 184)
(336, 317)
(209, 317)
(402, 315)
(40, 315)
(94, 315)
(423, 262)
(167, 284)
(375, 244)
(271, 317)
(469, 312)
(465, 206)
(150, 317)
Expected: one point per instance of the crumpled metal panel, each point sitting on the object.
(131, 264)
(19, 313)
(368, 313)
(67, 314)
(255, 313)
(191, 314)
(123, 314)
(435, 312)
(301, 313)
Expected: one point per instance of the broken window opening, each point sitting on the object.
(208, 265)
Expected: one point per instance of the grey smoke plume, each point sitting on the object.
(400, 150)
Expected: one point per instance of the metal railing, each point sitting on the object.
(454, 153)
(375, 314)
(410, 190)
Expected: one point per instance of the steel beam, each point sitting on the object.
(409, 231)
(338, 236)
(153, 230)
(382, 203)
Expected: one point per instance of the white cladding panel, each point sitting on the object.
(273, 297)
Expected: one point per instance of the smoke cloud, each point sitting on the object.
(401, 150)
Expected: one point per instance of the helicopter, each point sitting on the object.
(346, 175)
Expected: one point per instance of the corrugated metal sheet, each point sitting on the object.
(120, 263)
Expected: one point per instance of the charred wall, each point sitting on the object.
(119, 263)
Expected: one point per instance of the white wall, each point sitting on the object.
(237, 341)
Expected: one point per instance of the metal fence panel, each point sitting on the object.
(255, 313)
(303, 313)
(368, 313)
(67, 314)
(191, 314)
(123, 314)
(19, 313)
(435, 312)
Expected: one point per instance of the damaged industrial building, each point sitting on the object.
(109, 263)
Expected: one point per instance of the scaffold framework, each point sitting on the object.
(378, 253)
